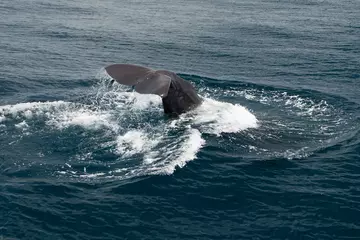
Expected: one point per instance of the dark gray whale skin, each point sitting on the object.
(178, 95)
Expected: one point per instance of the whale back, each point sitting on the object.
(181, 96)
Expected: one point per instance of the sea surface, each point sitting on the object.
(272, 153)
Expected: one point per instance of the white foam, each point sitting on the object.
(122, 101)
(82, 117)
(296, 154)
(213, 117)
(93, 175)
(22, 125)
(27, 109)
(221, 117)
(302, 106)
(134, 142)
(145, 101)
(28, 114)
(186, 152)
(2, 118)
(60, 114)
(152, 157)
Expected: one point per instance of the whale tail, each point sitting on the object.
(145, 80)
(178, 95)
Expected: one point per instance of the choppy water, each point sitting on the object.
(273, 153)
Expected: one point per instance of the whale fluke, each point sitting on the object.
(178, 95)
(127, 74)
(154, 83)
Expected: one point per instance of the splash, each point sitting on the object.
(81, 116)
(130, 128)
(58, 114)
(218, 117)
(186, 152)
(135, 142)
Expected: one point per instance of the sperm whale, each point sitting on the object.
(178, 95)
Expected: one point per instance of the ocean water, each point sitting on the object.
(272, 153)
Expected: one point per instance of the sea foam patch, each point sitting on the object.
(224, 117)
(29, 109)
(135, 142)
(302, 106)
(58, 114)
(22, 125)
(186, 152)
(83, 117)
(216, 117)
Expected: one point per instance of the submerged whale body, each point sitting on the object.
(178, 95)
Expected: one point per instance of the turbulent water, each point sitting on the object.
(272, 153)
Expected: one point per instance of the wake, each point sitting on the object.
(128, 126)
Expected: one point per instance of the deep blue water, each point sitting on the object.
(273, 153)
